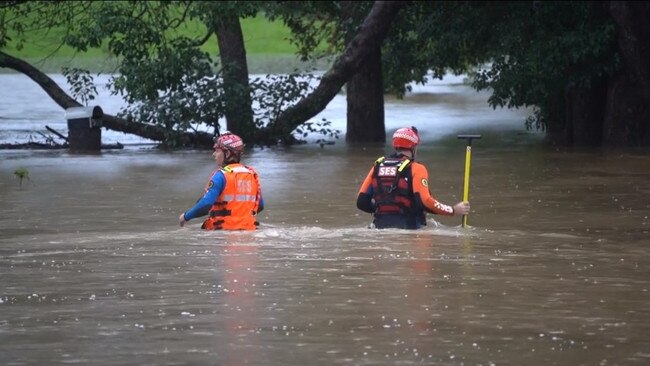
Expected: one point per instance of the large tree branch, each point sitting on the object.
(61, 98)
(370, 36)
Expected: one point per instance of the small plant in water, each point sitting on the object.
(21, 174)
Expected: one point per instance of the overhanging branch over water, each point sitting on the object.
(65, 101)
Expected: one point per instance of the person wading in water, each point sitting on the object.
(396, 190)
(233, 195)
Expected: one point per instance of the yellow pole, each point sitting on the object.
(468, 159)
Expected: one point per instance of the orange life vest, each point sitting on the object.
(238, 203)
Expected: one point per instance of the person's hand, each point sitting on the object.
(461, 208)
(181, 219)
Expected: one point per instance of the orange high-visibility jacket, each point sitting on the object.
(238, 203)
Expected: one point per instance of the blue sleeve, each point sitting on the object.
(261, 205)
(202, 207)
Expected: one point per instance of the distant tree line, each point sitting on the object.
(583, 66)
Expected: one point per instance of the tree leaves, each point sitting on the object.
(81, 83)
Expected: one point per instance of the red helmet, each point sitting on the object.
(229, 141)
(406, 138)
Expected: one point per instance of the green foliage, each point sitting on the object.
(430, 39)
(37, 29)
(81, 82)
(25, 33)
(211, 13)
(546, 49)
(22, 174)
(317, 29)
(322, 127)
(201, 105)
(275, 93)
(165, 73)
(198, 105)
(527, 53)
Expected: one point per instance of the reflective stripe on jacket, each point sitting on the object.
(238, 203)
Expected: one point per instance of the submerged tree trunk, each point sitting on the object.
(584, 114)
(613, 112)
(61, 98)
(627, 117)
(628, 113)
(238, 110)
(365, 90)
(371, 34)
(365, 99)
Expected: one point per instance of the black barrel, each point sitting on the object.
(84, 128)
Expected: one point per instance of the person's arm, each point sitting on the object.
(429, 203)
(260, 202)
(202, 206)
(364, 198)
(259, 198)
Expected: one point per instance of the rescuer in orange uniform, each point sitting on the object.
(233, 195)
(396, 190)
